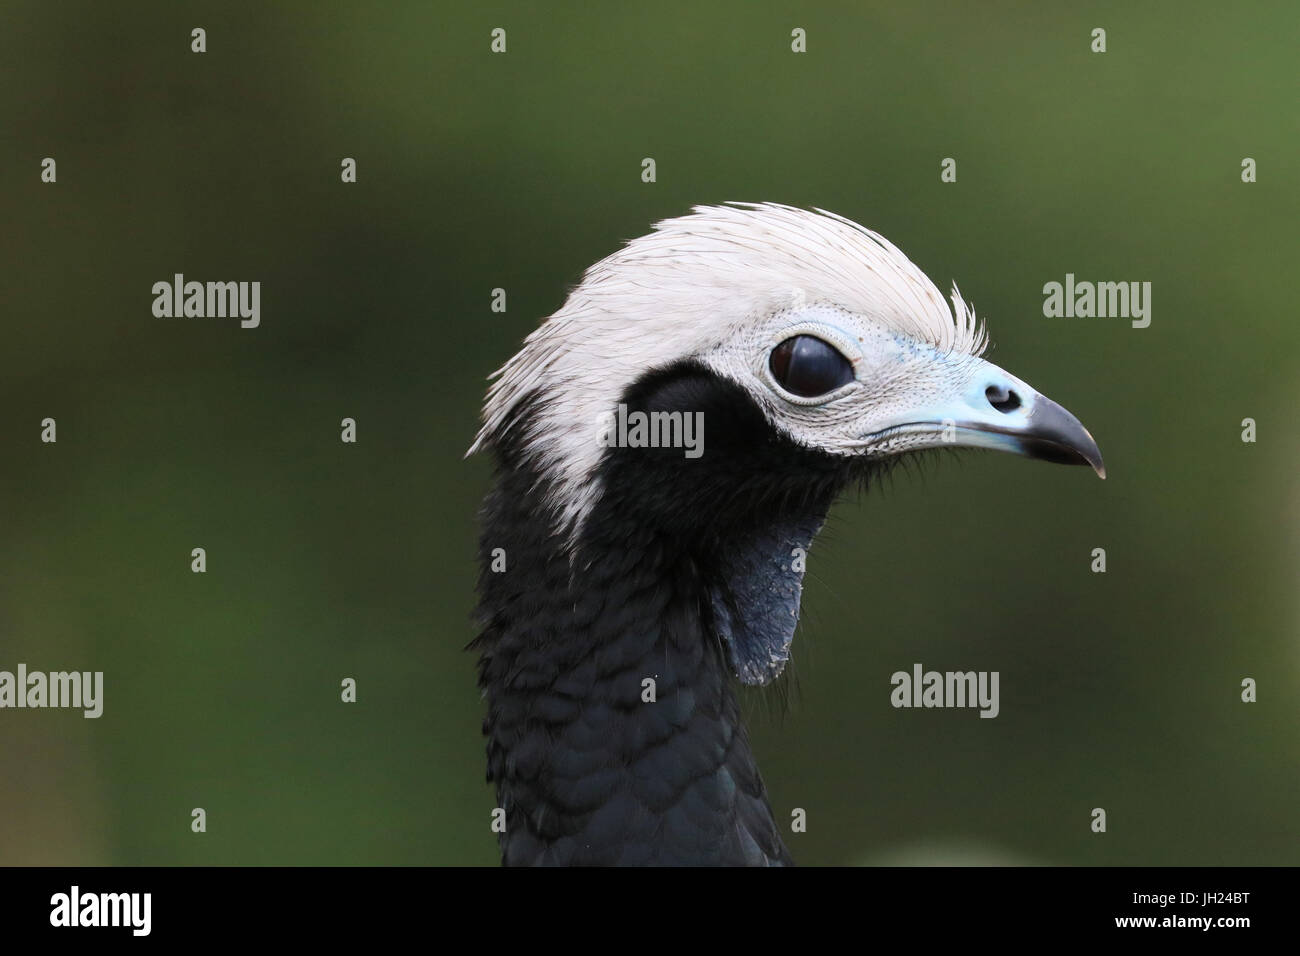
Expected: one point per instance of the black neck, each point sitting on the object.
(587, 769)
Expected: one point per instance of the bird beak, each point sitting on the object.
(1048, 432)
(994, 409)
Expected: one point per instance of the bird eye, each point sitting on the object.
(806, 366)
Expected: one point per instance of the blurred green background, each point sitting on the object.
(478, 171)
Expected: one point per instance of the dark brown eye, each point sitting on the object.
(808, 367)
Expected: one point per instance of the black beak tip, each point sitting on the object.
(1060, 454)
(1057, 436)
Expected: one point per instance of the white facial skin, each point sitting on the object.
(906, 395)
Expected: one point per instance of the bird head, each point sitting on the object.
(812, 352)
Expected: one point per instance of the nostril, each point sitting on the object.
(1003, 399)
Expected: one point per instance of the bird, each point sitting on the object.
(666, 447)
